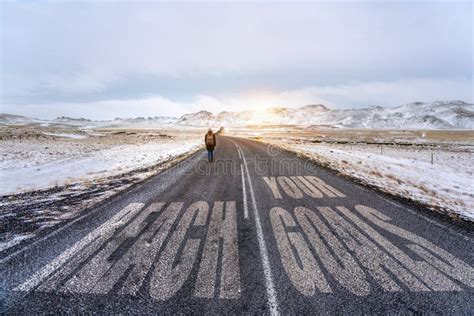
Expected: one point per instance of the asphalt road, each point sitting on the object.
(257, 231)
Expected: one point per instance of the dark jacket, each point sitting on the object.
(210, 147)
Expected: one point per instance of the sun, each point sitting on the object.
(260, 100)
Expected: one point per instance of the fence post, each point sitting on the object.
(431, 158)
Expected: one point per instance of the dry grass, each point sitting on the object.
(376, 173)
(392, 177)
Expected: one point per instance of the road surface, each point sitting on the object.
(258, 231)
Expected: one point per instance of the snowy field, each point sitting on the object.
(446, 185)
(32, 165)
(51, 175)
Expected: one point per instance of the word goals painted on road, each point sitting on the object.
(159, 242)
(351, 250)
(324, 243)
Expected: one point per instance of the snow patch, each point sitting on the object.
(446, 185)
(73, 136)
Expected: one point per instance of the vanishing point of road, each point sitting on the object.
(258, 231)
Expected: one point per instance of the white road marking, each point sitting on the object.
(307, 187)
(100, 274)
(338, 261)
(324, 187)
(53, 233)
(104, 230)
(431, 274)
(421, 269)
(289, 187)
(222, 227)
(246, 209)
(272, 184)
(362, 188)
(244, 189)
(142, 261)
(91, 277)
(292, 186)
(306, 276)
(449, 264)
(168, 278)
(271, 294)
(378, 263)
(56, 280)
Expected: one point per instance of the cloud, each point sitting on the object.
(388, 93)
(78, 51)
(350, 95)
(75, 83)
(360, 94)
(106, 109)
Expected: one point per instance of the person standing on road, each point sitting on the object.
(210, 141)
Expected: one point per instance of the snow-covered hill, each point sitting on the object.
(10, 119)
(65, 122)
(201, 118)
(418, 115)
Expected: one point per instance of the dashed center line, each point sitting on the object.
(271, 294)
(246, 209)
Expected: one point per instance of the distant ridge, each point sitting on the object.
(416, 115)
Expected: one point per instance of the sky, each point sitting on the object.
(103, 60)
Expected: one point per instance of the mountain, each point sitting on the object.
(10, 119)
(201, 118)
(70, 122)
(151, 120)
(417, 115)
(70, 119)
(439, 114)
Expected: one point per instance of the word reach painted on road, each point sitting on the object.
(160, 242)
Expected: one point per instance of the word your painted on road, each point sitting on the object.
(297, 187)
(351, 247)
(152, 249)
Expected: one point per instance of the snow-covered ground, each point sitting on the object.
(446, 185)
(66, 135)
(65, 163)
(49, 175)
